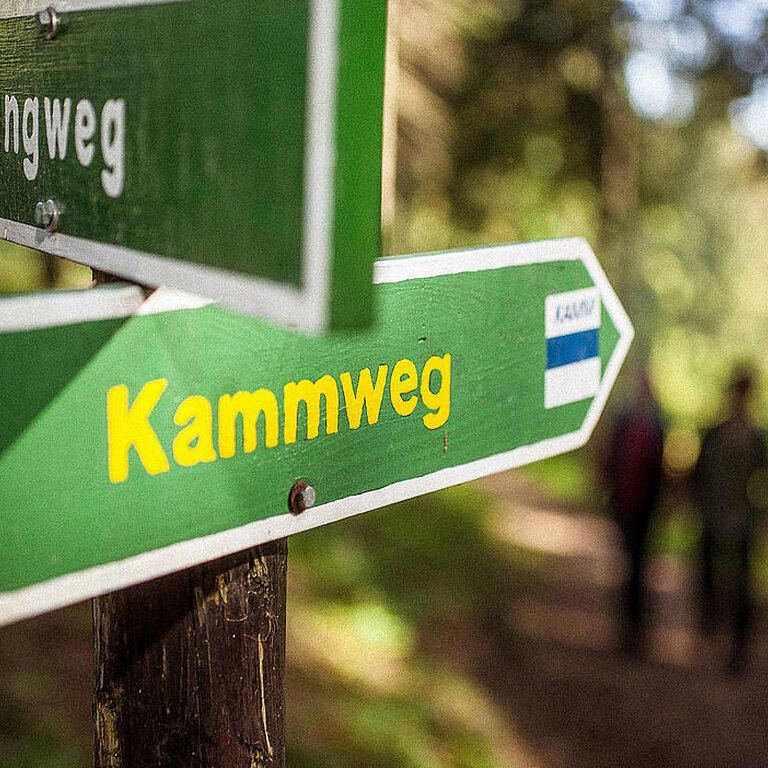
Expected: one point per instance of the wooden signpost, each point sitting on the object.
(226, 147)
(189, 432)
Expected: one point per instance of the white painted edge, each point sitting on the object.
(14, 8)
(399, 268)
(320, 163)
(281, 303)
(626, 333)
(305, 308)
(72, 588)
(34, 311)
(164, 299)
(170, 300)
(29, 312)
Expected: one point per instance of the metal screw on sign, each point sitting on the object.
(48, 22)
(301, 497)
(47, 215)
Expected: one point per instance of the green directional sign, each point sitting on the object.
(230, 148)
(176, 435)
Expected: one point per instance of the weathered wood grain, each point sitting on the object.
(190, 668)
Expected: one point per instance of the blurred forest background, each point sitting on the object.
(436, 633)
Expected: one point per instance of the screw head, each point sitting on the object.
(48, 22)
(47, 215)
(301, 497)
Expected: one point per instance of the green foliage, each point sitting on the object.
(434, 552)
(368, 596)
(344, 726)
(44, 706)
(24, 270)
(565, 479)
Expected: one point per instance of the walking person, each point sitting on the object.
(732, 454)
(634, 471)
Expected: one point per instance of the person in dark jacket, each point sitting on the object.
(634, 471)
(732, 456)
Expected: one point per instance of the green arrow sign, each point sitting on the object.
(176, 435)
(226, 147)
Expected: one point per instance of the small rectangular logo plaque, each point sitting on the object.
(573, 347)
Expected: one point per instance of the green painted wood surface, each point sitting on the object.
(215, 111)
(37, 365)
(61, 513)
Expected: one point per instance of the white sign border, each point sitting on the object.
(72, 588)
(305, 308)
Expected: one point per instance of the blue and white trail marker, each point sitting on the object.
(573, 347)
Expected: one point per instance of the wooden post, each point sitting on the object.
(190, 668)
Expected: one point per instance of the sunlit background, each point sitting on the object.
(477, 627)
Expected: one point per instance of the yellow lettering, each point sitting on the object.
(128, 427)
(295, 392)
(194, 443)
(439, 401)
(366, 393)
(405, 378)
(249, 405)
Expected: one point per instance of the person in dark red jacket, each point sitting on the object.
(634, 471)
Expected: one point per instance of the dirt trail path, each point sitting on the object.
(574, 701)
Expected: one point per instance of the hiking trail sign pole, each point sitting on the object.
(190, 668)
(226, 147)
(219, 697)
